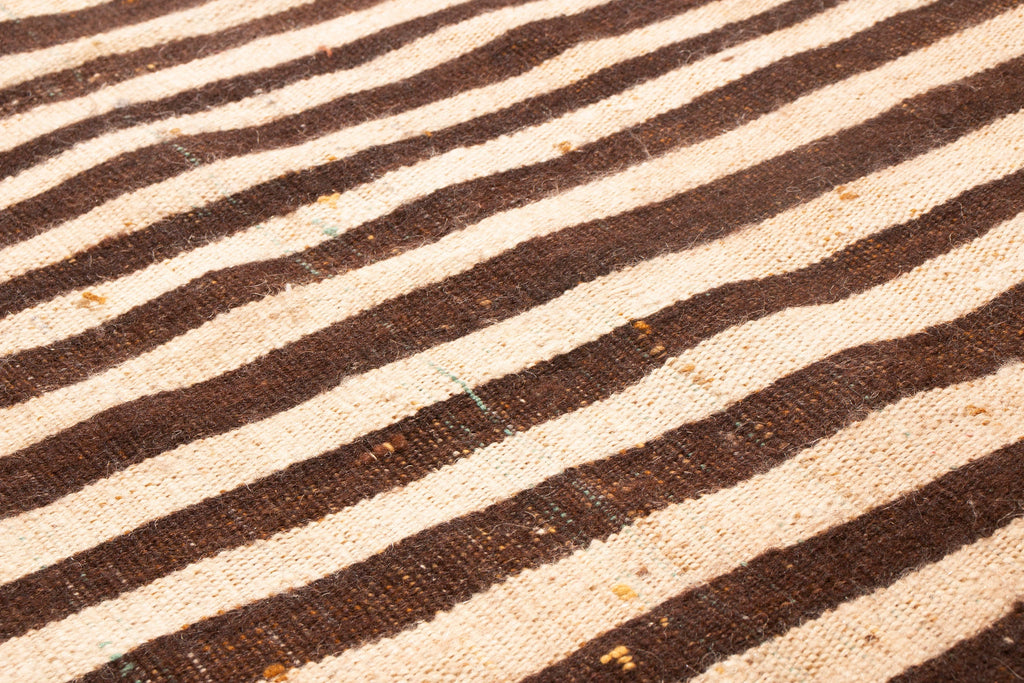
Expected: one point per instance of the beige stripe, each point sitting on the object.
(216, 180)
(253, 56)
(371, 401)
(64, 316)
(541, 616)
(952, 170)
(706, 379)
(377, 398)
(879, 635)
(570, 66)
(22, 9)
(560, 605)
(216, 348)
(204, 19)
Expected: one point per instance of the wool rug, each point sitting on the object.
(499, 340)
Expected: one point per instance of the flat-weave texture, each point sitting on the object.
(501, 340)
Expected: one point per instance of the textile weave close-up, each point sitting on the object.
(500, 340)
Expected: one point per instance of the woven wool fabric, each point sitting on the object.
(499, 340)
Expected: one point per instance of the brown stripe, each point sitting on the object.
(783, 588)
(290, 191)
(996, 654)
(222, 92)
(240, 87)
(435, 433)
(442, 566)
(33, 33)
(542, 269)
(507, 56)
(469, 201)
(42, 369)
(104, 71)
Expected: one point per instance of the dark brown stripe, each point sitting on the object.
(242, 86)
(542, 269)
(33, 33)
(784, 588)
(42, 369)
(996, 654)
(509, 55)
(434, 570)
(104, 71)
(429, 440)
(288, 192)
(222, 92)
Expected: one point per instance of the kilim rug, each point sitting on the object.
(500, 340)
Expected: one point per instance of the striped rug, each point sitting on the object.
(499, 340)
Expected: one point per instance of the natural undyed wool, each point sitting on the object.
(215, 222)
(692, 542)
(564, 69)
(931, 610)
(577, 128)
(326, 302)
(206, 18)
(511, 339)
(685, 389)
(252, 56)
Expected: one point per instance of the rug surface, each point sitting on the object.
(492, 340)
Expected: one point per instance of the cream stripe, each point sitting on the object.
(559, 605)
(374, 400)
(216, 180)
(955, 168)
(202, 20)
(65, 316)
(881, 634)
(568, 67)
(217, 346)
(22, 9)
(722, 370)
(253, 56)
(541, 616)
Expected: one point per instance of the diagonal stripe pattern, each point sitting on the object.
(505, 340)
